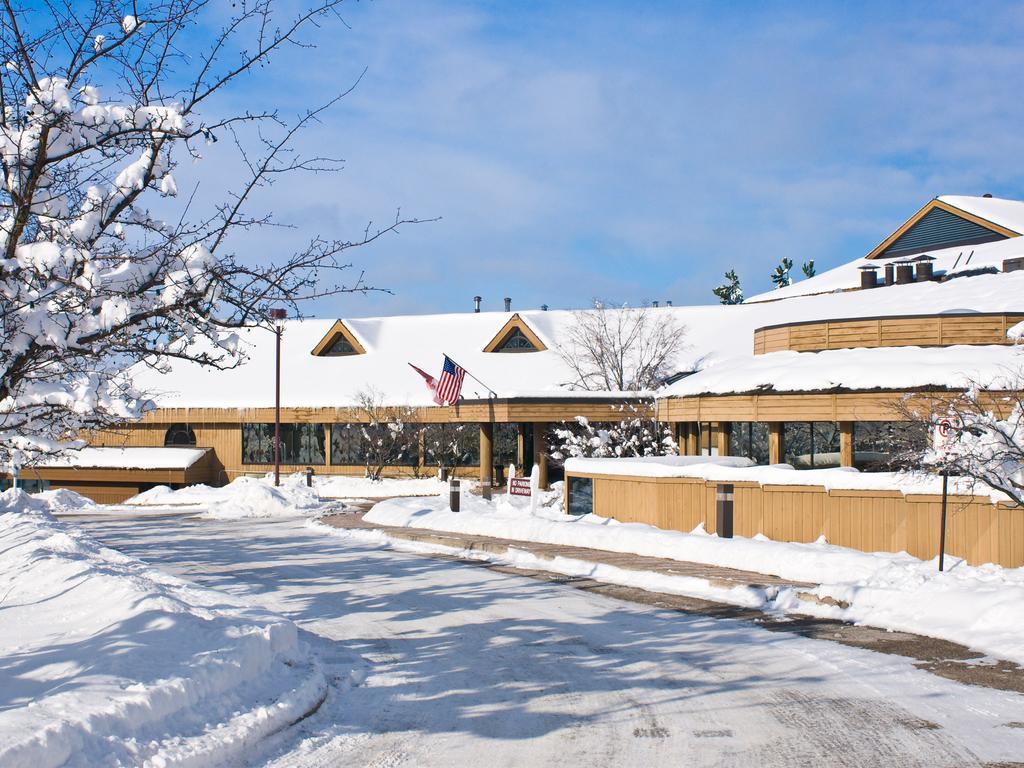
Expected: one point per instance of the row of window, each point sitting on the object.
(877, 445)
(408, 445)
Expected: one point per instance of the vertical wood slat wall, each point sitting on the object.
(888, 521)
(924, 331)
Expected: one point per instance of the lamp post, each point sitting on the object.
(278, 316)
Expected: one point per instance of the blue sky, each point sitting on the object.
(637, 151)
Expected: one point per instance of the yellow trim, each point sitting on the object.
(338, 329)
(929, 206)
(513, 323)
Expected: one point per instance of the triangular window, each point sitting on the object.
(340, 347)
(516, 341)
(338, 342)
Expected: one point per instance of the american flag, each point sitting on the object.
(449, 383)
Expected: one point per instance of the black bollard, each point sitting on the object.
(723, 506)
(309, 477)
(454, 495)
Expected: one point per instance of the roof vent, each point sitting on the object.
(987, 194)
(868, 276)
(668, 303)
(654, 304)
(476, 303)
(508, 304)
(543, 307)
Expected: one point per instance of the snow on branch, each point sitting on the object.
(99, 105)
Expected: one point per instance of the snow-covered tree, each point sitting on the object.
(101, 101)
(388, 437)
(780, 277)
(622, 348)
(636, 435)
(986, 425)
(450, 445)
(729, 292)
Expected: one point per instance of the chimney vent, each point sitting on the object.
(543, 307)
(868, 276)
(987, 194)
(924, 269)
(476, 303)
(654, 304)
(888, 274)
(668, 303)
(508, 304)
(904, 272)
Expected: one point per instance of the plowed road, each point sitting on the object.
(439, 663)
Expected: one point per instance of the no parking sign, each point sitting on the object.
(946, 432)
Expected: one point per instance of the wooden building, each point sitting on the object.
(808, 375)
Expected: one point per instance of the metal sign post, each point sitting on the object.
(946, 431)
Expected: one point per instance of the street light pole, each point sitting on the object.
(278, 316)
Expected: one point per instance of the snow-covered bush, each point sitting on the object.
(98, 110)
(388, 437)
(986, 442)
(633, 436)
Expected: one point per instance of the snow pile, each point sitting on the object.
(109, 661)
(982, 607)
(343, 487)
(242, 497)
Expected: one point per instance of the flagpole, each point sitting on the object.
(491, 396)
(474, 378)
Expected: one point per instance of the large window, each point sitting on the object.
(750, 439)
(451, 445)
(811, 444)
(352, 444)
(880, 446)
(581, 496)
(300, 444)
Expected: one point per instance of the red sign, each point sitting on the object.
(519, 486)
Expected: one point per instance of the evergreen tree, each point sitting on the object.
(730, 291)
(808, 268)
(781, 276)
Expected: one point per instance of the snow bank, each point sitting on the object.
(982, 607)
(109, 661)
(342, 487)
(242, 497)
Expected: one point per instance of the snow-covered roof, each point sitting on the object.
(961, 259)
(894, 368)
(127, 458)
(714, 334)
(1001, 211)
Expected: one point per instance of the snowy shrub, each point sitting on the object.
(985, 446)
(634, 436)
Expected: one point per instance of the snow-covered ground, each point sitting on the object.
(105, 660)
(981, 607)
(257, 496)
(341, 487)
(461, 665)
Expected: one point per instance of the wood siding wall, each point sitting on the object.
(889, 521)
(916, 330)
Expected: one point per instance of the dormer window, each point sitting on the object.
(516, 341)
(515, 336)
(338, 342)
(339, 348)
